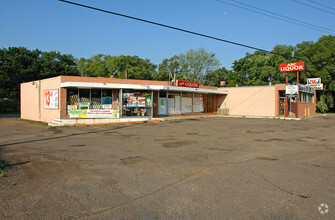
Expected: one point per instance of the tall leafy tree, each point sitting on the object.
(195, 64)
(169, 66)
(214, 78)
(192, 65)
(116, 66)
(19, 64)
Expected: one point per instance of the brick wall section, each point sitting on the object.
(215, 103)
(114, 99)
(63, 103)
(302, 108)
(155, 103)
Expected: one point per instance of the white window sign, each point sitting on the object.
(292, 91)
(51, 99)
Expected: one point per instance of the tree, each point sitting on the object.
(214, 78)
(320, 62)
(195, 64)
(18, 65)
(115, 66)
(168, 66)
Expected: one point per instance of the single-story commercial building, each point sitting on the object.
(267, 101)
(91, 100)
(68, 100)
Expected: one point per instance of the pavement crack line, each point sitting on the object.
(281, 189)
(200, 171)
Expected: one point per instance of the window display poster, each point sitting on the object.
(109, 106)
(141, 101)
(51, 99)
(72, 107)
(148, 101)
(78, 113)
(94, 113)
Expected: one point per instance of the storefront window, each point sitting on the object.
(72, 98)
(136, 103)
(174, 102)
(187, 102)
(94, 99)
(84, 98)
(162, 103)
(198, 103)
(106, 99)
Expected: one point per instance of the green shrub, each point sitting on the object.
(3, 167)
(9, 106)
(322, 107)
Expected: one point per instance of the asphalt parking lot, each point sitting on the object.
(205, 168)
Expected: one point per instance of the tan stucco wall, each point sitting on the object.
(32, 97)
(29, 102)
(250, 101)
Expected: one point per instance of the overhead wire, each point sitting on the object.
(170, 27)
(279, 15)
(311, 6)
(321, 29)
(317, 3)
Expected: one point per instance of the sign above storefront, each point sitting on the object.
(314, 81)
(316, 86)
(289, 67)
(306, 89)
(189, 84)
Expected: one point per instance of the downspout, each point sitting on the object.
(39, 99)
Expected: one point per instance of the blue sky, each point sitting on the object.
(53, 25)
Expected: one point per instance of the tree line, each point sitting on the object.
(19, 64)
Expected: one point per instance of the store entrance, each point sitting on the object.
(282, 106)
(282, 103)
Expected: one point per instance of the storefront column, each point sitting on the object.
(120, 103)
(167, 102)
(192, 101)
(152, 103)
(181, 102)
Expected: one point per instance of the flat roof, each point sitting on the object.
(139, 87)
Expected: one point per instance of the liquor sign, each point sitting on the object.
(187, 84)
(314, 81)
(289, 67)
(51, 99)
(291, 91)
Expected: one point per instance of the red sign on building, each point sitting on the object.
(187, 84)
(288, 67)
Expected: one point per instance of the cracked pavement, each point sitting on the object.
(203, 168)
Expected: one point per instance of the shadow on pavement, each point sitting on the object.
(9, 115)
(60, 137)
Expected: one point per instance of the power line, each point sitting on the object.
(170, 27)
(317, 3)
(311, 6)
(276, 17)
(286, 17)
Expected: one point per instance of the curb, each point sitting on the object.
(116, 123)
